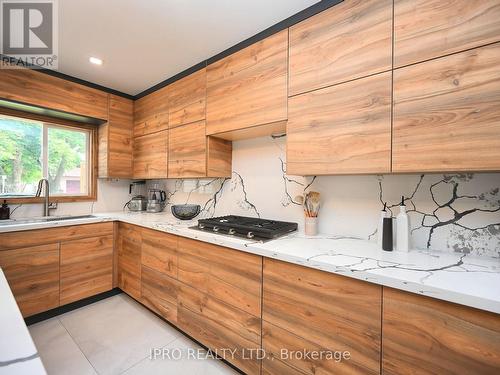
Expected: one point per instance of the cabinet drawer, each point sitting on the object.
(86, 268)
(159, 293)
(33, 276)
(229, 275)
(159, 252)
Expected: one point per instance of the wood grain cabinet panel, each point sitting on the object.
(422, 335)
(229, 275)
(312, 309)
(129, 260)
(151, 155)
(159, 293)
(151, 113)
(86, 268)
(115, 140)
(159, 251)
(447, 113)
(43, 90)
(350, 40)
(187, 99)
(33, 276)
(249, 87)
(343, 129)
(187, 149)
(219, 325)
(425, 29)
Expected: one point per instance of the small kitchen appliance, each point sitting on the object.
(246, 227)
(138, 202)
(156, 200)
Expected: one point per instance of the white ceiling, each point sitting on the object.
(144, 42)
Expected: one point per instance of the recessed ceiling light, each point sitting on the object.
(95, 60)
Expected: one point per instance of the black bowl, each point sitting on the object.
(185, 211)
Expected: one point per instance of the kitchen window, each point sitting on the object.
(32, 149)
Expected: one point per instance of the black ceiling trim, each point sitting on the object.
(282, 25)
(67, 77)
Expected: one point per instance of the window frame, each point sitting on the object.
(91, 196)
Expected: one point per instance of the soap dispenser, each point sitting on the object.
(402, 228)
(383, 214)
(4, 211)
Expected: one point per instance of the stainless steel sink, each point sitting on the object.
(43, 219)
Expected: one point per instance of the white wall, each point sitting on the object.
(111, 196)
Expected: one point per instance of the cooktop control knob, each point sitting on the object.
(232, 231)
(215, 229)
(250, 235)
(201, 226)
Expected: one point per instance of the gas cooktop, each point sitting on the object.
(246, 227)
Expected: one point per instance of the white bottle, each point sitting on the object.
(402, 228)
(383, 214)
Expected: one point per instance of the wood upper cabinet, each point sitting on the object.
(249, 87)
(115, 140)
(425, 29)
(151, 113)
(344, 129)
(447, 113)
(129, 259)
(350, 40)
(219, 299)
(187, 149)
(33, 276)
(310, 309)
(186, 99)
(426, 336)
(151, 155)
(43, 90)
(86, 267)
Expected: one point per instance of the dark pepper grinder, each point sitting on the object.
(4, 211)
(387, 235)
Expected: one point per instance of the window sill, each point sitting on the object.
(52, 199)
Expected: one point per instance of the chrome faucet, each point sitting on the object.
(46, 198)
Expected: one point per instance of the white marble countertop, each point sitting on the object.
(454, 277)
(18, 354)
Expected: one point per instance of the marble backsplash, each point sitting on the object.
(452, 212)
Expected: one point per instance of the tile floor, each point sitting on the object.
(115, 336)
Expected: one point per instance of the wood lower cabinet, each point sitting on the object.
(422, 335)
(447, 113)
(310, 309)
(33, 276)
(86, 268)
(426, 29)
(343, 129)
(249, 87)
(159, 251)
(129, 259)
(151, 155)
(159, 293)
(350, 40)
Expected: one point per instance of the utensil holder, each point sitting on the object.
(311, 226)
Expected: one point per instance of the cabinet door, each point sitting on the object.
(151, 155)
(151, 113)
(350, 40)
(86, 268)
(33, 276)
(422, 335)
(129, 260)
(249, 87)
(447, 113)
(344, 129)
(187, 148)
(159, 252)
(187, 98)
(159, 293)
(314, 310)
(426, 29)
(120, 133)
